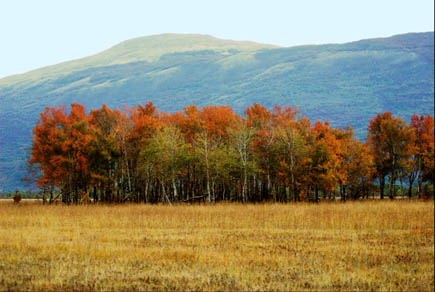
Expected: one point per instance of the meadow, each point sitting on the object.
(378, 245)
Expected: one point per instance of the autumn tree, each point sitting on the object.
(358, 168)
(241, 141)
(422, 167)
(60, 148)
(264, 145)
(104, 151)
(77, 148)
(144, 122)
(212, 134)
(326, 161)
(391, 141)
(47, 151)
(292, 148)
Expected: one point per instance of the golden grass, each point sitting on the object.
(352, 246)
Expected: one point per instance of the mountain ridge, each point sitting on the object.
(3, 80)
(143, 43)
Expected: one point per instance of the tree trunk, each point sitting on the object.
(392, 186)
(317, 194)
(382, 186)
(208, 185)
(419, 178)
(165, 196)
(295, 193)
(245, 183)
(174, 186)
(411, 182)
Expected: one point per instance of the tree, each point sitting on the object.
(241, 141)
(167, 152)
(143, 123)
(264, 146)
(47, 151)
(358, 168)
(292, 148)
(60, 149)
(391, 142)
(215, 122)
(423, 160)
(105, 152)
(77, 148)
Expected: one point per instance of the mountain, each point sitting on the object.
(344, 83)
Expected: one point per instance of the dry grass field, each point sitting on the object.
(330, 246)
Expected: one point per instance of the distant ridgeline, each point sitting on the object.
(346, 84)
(139, 154)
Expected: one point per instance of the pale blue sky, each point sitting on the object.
(37, 33)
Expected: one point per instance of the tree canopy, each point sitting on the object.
(140, 154)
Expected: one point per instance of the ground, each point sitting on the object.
(366, 245)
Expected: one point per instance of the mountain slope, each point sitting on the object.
(344, 83)
(146, 49)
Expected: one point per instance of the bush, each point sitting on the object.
(17, 198)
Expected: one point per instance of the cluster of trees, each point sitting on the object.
(142, 155)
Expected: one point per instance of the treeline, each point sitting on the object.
(211, 154)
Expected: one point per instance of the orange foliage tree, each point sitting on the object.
(392, 143)
(422, 164)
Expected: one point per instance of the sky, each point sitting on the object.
(35, 34)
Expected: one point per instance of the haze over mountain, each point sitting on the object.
(344, 83)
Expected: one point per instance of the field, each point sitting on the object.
(328, 246)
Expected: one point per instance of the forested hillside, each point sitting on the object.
(347, 84)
